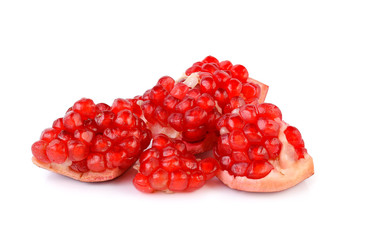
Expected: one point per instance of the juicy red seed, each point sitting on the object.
(239, 72)
(252, 133)
(222, 78)
(294, 137)
(114, 134)
(300, 152)
(115, 158)
(208, 85)
(57, 151)
(103, 107)
(161, 141)
(222, 121)
(179, 91)
(136, 108)
(72, 120)
(145, 138)
(239, 156)
(178, 181)
(65, 136)
(148, 109)
(96, 163)
(222, 97)
(195, 135)
(192, 69)
(195, 117)
(120, 104)
(101, 144)
(250, 92)
(49, 134)
(171, 163)
(184, 105)
(148, 166)
(236, 102)
(125, 119)
(85, 107)
(210, 67)
(234, 122)
(39, 151)
(161, 115)
(223, 146)
(268, 110)
(91, 125)
(149, 153)
(234, 87)
(206, 102)
(198, 64)
(105, 120)
(175, 120)
(80, 166)
(188, 162)
(268, 127)
(167, 83)
(169, 151)
(158, 94)
(212, 120)
(238, 140)
(239, 169)
(259, 169)
(273, 146)
(225, 162)
(225, 65)
(170, 102)
(196, 181)
(77, 150)
(159, 180)
(248, 113)
(193, 93)
(210, 59)
(131, 145)
(84, 135)
(58, 124)
(180, 146)
(209, 167)
(141, 183)
(258, 153)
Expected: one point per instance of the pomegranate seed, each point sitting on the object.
(235, 102)
(210, 59)
(238, 140)
(273, 146)
(223, 146)
(175, 120)
(222, 97)
(195, 135)
(104, 120)
(90, 124)
(268, 127)
(49, 134)
(65, 136)
(222, 78)
(167, 83)
(101, 144)
(103, 107)
(71, 121)
(225, 162)
(161, 115)
(239, 169)
(85, 107)
(170, 102)
(148, 109)
(206, 102)
(149, 153)
(234, 87)
(158, 94)
(141, 183)
(248, 113)
(80, 166)
(178, 181)
(239, 156)
(239, 72)
(252, 133)
(208, 85)
(294, 137)
(84, 135)
(77, 150)
(96, 163)
(39, 151)
(120, 104)
(159, 180)
(179, 91)
(58, 124)
(57, 151)
(209, 67)
(259, 169)
(196, 181)
(185, 105)
(125, 119)
(115, 134)
(148, 166)
(234, 122)
(195, 117)
(268, 110)
(189, 163)
(258, 153)
(250, 92)
(161, 141)
(208, 167)
(171, 163)
(115, 158)
(192, 69)
(225, 65)
(131, 145)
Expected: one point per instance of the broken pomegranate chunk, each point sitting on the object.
(93, 142)
(259, 152)
(168, 166)
(189, 108)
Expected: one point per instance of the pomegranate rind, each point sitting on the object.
(288, 171)
(64, 170)
(264, 89)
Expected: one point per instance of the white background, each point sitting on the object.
(311, 54)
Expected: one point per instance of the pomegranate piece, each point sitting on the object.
(168, 166)
(258, 152)
(189, 108)
(93, 142)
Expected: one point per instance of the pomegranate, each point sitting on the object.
(258, 152)
(93, 142)
(168, 166)
(189, 108)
